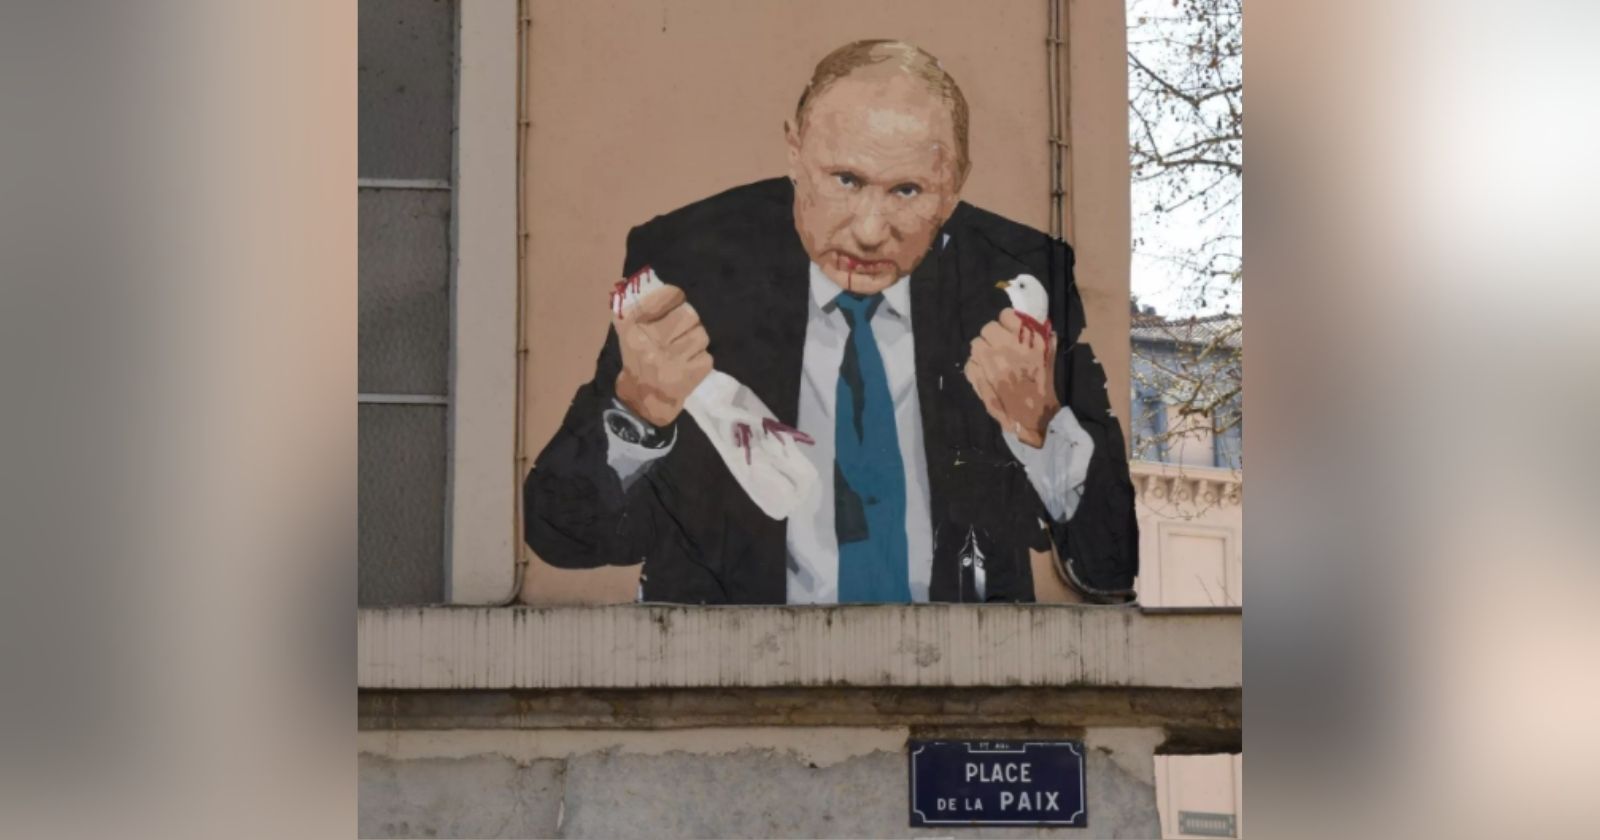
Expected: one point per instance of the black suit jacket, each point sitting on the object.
(702, 540)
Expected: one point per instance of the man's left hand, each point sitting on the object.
(1012, 369)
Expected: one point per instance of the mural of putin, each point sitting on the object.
(916, 357)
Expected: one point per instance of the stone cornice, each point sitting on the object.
(1178, 484)
(651, 646)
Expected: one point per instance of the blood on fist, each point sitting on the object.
(663, 355)
(1015, 380)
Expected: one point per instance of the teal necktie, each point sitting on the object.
(869, 480)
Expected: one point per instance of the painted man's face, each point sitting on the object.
(876, 175)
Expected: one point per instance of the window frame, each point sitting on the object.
(480, 494)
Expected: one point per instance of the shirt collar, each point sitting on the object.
(896, 298)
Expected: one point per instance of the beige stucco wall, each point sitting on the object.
(742, 782)
(637, 107)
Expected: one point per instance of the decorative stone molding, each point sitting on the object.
(1178, 485)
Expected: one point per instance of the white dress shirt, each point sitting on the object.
(1056, 470)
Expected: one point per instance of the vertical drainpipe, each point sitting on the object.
(1058, 90)
(520, 461)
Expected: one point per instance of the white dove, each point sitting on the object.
(1030, 301)
(1028, 296)
(762, 453)
(1032, 304)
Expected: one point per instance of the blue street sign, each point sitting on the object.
(997, 783)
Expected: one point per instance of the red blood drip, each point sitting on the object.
(741, 439)
(621, 289)
(1031, 327)
(770, 426)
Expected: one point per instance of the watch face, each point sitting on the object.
(619, 425)
(628, 429)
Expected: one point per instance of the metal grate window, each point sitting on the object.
(407, 54)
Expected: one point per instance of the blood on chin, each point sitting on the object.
(863, 276)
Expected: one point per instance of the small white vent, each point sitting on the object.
(1202, 824)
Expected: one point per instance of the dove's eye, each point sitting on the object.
(847, 179)
(907, 190)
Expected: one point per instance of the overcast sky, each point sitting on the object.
(1156, 279)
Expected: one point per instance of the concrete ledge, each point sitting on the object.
(647, 646)
(1195, 720)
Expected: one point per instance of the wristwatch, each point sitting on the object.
(630, 429)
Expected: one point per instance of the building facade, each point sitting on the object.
(500, 696)
(1189, 473)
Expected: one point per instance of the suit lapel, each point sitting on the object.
(932, 314)
(756, 309)
(786, 334)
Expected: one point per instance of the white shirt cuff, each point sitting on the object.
(626, 458)
(1057, 469)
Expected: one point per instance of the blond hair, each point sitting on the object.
(912, 59)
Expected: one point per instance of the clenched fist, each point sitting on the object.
(1013, 370)
(663, 355)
